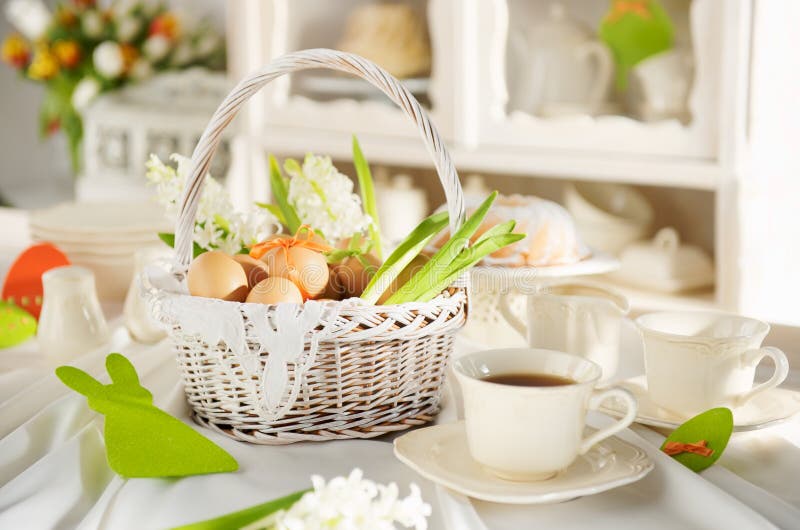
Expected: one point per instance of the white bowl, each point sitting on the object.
(609, 216)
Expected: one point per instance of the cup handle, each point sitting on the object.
(511, 318)
(781, 371)
(597, 51)
(598, 397)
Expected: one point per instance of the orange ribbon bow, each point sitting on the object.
(698, 448)
(259, 249)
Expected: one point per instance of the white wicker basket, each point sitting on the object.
(286, 373)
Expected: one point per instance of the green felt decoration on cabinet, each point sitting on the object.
(714, 426)
(634, 30)
(141, 439)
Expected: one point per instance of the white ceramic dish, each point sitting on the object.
(101, 218)
(609, 216)
(440, 453)
(665, 265)
(764, 410)
(109, 240)
(498, 278)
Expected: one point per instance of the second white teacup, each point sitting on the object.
(528, 433)
(577, 318)
(700, 360)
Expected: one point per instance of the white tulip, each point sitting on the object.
(85, 91)
(128, 28)
(30, 17)
(108, 59)
(156, 47)
(141, 70)
(92, 23)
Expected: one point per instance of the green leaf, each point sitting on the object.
(274, 210)
(464, 261)
(714, 426)
(222, 223)
(402, 256)
(367, 189)
(439, 263)
(169, 239)
(496, 230)
(280, 194)
(246, 516)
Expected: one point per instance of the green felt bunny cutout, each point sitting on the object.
(141, 439)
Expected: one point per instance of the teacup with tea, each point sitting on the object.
(525, 410)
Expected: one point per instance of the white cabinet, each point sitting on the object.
(738, 47)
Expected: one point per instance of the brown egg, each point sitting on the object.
(254, 269)
(307, 268)
(410, 270)
(333, 290)
(353, 275)
(215, 274)
(275, 290)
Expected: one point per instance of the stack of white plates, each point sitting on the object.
(102, 237)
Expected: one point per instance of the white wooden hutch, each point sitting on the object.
(728, 178)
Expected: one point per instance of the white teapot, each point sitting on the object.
(566, 70)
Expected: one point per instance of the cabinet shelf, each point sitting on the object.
(380, 149)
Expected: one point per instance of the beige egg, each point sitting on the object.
(353, 275)
(275, 290)
(215, 274)
(406, 274)
(254, 269)
(307, 268)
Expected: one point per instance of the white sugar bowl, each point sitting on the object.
(666, 265)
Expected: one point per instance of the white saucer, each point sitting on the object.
(495, 277)
(440, 453)
(764, 410)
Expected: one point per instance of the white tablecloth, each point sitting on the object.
(53, 472)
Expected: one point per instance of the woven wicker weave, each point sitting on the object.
(255, 373)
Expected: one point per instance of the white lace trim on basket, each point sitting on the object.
(283, 332)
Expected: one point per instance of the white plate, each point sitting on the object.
(440, 453)
(344, 86)
(101, 218)
(764, 410)
(498, 277)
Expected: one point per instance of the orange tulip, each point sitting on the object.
(66, 17)
(67, 52)
(16, 51)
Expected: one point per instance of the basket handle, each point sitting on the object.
(293, 62)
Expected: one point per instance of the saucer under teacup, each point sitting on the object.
(440, 453)
(773, 406)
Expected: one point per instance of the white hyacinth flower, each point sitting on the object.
(217, 224)
(107, 58)
(92, 23)
(85, 92)
(350, 503)
(156, 47)
(324, 199)
(128, 27)
(29, 17)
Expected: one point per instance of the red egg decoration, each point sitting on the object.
(23, 284)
